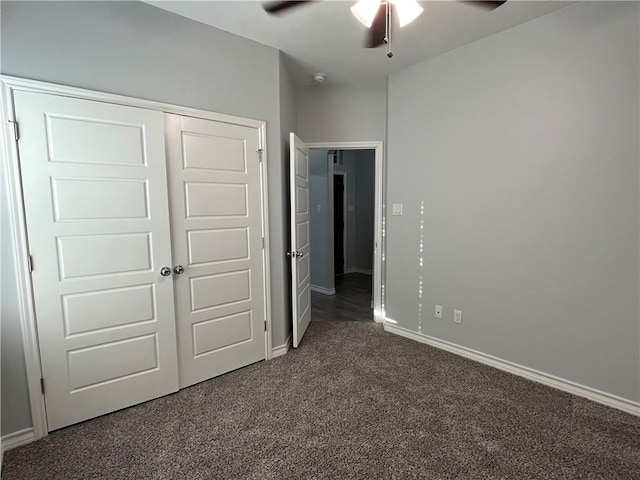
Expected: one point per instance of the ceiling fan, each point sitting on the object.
(376, 15)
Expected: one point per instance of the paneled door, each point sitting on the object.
(217, 236)
(95, 193)
(300, 261)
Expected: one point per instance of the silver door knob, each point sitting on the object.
(179, 269)
(299, 254)
(165, 271)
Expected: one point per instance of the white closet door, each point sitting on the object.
(95, 195)
(216, 221)
(301, 250)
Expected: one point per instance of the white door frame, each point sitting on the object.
(378, 285)
(344, 217)
(17, 218)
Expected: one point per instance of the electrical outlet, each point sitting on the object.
(457, 316)
(396, 209)
(438, 311)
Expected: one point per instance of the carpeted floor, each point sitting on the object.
(351, 402)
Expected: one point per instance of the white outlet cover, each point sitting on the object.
(396, 209)
(438, 311)
(457, 316)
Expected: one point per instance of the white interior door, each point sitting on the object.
(300, 251)
(95, 195)
(217, 235)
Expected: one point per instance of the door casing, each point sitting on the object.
(17, 220)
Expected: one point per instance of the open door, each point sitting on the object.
(300, 264)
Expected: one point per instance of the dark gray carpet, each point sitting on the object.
(352, 402)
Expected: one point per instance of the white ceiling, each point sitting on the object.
(325, 37)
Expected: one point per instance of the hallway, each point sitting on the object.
(352, 301)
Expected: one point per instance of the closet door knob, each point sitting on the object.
(165, 271)
(178, 269)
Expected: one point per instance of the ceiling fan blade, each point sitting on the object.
(487, 4)
(275, 8)
(376, 33)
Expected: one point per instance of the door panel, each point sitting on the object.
(112, 361)
(119, 253)
(218, 245)
(216, 210)
(91, 311)
(230, 153)
(212, 335)
(101, 199)
(221, 289)
(95, 192)
(78, 139)
(215, 199)
(300, 278)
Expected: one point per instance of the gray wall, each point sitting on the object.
(349, 167)
(359, 165)
(342, 113)
(280, 223)
(321, 228)
(364, 208)
(15, 411)
(522, 148)
(134, 49)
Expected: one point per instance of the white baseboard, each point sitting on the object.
(281, 349)
(16, 439)
(626, 405)
(358, 270)
(378, 315)
(322, 290)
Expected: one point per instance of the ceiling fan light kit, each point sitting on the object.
(365, 11)
(407, 11)
(376, 15)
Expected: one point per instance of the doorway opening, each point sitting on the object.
(339, 217)
(342, 198)
(303, 173)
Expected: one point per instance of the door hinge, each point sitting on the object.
(30, 261)
(260, 153)
(42, 385)
(16, 131)
(265, 325)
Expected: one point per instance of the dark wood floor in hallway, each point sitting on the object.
(352, 301)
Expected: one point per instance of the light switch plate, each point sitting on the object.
(396, 209)
(457, 316)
